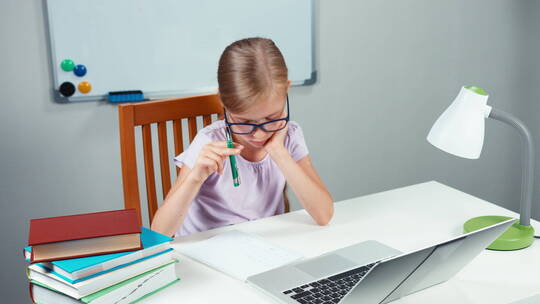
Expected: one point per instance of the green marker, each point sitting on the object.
(232, 158)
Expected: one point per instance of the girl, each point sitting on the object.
(270, 151)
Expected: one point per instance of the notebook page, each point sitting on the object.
(239, 254)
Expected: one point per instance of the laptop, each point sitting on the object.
(371, 272)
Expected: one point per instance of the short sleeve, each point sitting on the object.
(189, 156)
(296, 144)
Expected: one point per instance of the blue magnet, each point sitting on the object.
(79, 70)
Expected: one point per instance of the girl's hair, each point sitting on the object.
(250, 69)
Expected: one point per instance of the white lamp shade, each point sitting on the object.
(460, 129)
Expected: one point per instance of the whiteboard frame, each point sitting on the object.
(149, 95)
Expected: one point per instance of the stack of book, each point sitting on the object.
(103, 257)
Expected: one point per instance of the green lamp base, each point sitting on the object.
(515, 238)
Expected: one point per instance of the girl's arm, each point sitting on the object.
(303, 179)
(171, 214)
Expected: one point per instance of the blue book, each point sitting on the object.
(76, 270)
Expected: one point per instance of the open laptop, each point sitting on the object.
(371, 272)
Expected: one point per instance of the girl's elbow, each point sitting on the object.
(157, 226)
(326, 217)
(162, 230)
(324, 220)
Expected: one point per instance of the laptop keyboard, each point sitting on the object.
(328, 290)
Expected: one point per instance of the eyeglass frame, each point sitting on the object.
(257, 126)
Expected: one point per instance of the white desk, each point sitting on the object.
(406, 218)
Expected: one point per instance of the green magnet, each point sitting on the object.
(67, 65)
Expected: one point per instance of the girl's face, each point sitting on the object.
(263, 110)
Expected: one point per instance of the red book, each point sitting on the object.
(75, 236)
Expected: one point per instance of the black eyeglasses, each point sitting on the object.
(248, 128)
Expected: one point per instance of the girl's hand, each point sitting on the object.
(211, 159)
(277, 141)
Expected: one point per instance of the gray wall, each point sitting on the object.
(387, 70)
(529, 77)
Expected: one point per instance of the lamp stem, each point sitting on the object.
(527, 175)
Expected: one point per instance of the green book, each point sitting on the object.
(131, 290)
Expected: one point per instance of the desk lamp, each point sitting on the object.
(460, 131)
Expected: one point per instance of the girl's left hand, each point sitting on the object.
(277, 141)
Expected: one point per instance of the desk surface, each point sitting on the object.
(406, 218)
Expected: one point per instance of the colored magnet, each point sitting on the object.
(67, 89)
(79, 70)
(67, 65)
(85, 87)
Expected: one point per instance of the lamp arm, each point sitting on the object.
(527, 175)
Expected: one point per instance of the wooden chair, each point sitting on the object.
(145, 114)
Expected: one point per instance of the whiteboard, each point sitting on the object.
(170, 47)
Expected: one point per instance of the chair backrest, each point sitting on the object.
(145, 114)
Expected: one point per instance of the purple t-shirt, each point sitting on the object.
(259, 195)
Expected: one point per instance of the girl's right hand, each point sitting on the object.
(211, 159)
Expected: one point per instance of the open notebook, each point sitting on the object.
(239, 254)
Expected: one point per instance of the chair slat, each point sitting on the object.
(130, 181)
(192, 126)
(178, 139)
(164, 158)
(149, 171)
(207, 119)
